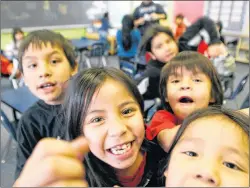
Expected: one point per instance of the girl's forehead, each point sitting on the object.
(219, 126)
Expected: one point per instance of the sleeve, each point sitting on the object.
(160, 10)
(160, 121)
(230, 64)
(203, 29)
(119, 39)
(138, 35)
(136, 14)
(27, 137)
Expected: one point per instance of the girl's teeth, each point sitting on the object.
(118, 150)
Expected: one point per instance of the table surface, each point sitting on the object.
(19, 99)
(83, 43)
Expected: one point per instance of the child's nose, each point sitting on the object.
(116, 127)
(44, 71)
(185, 84)
(208, 176)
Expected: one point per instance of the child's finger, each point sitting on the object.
(81, 146)
(50, 146)
(69, 183)
(52, 169)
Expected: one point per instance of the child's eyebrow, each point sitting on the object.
(233, 150)
(126, 103)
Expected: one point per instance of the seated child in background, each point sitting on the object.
(211, 149)
(179, 26)
(47, 61)
(104, 106)
(162, 47)
(128, 39)
(159, 42)
(188, 82)
(12, 48)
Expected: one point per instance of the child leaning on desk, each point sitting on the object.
(47, 61)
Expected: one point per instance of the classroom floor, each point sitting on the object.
(8, 168)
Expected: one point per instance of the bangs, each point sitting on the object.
(193, 65)
(39, 43)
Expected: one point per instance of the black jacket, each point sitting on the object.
(39, 121)
(152, 72)
(147, 9)
(203, 29)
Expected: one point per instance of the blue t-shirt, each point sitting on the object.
(136, 37)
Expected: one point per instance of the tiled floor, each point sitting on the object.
(8, 168)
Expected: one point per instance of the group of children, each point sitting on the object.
(95, 119)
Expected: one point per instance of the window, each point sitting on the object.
(231, 13)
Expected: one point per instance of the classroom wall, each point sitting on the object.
(192, 10)
(6, 38)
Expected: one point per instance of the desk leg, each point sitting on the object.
(14, 115)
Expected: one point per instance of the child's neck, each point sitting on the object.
(132, 169)
(179, 121)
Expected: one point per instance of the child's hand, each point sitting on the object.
(166, 137)
(154, 16)
(216, 50)
(55, 163)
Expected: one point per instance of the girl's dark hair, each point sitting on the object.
(150, 33)
(44, 37)
(14, 32)
(77, 101)
(219, 23)
(192, 61)
(238, 117)
(127, 27)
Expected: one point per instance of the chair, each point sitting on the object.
(237, 91)
(12, 135)
(16, 82)
(95, 56)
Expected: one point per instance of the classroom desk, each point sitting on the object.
(111, 39)
(83, 43)
(18, 99)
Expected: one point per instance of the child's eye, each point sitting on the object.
(97, 120)
(127, 111)
(197, 80)
(175, 81)
(191, 153)
(32, 66)
(54, 61)
(231, 165)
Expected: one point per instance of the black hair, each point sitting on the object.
(237, 117)
(191, 61)
(180, 16)
(14, 32)
(106, 15)
(44, 37)
(150, 33)
(127, 27)
(220, 25)
(77, 100)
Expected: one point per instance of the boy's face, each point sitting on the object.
(178, 21)
(45, 71)
(187, 92)
(212, 152)
(163, 48)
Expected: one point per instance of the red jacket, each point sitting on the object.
(162, 119)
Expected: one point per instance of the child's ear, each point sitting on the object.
(152, 55)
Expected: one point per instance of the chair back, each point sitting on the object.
(240, 87)
(8, 125)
